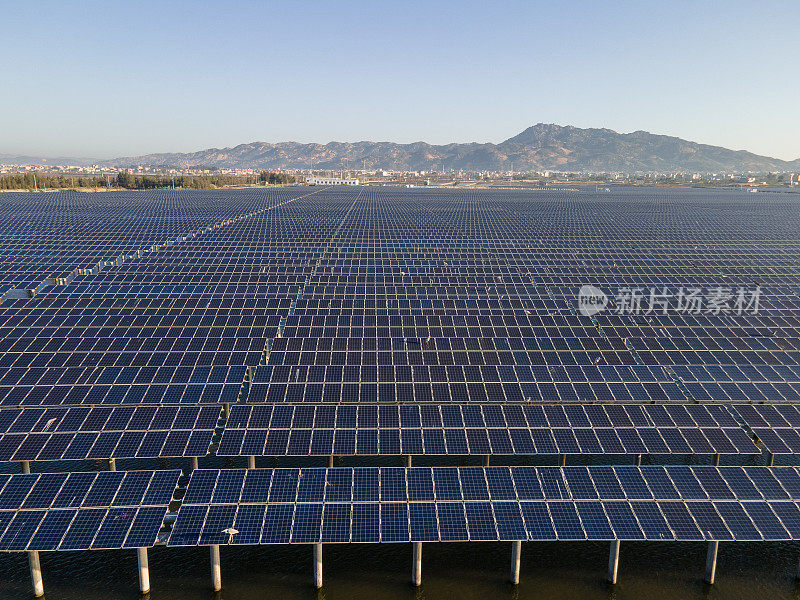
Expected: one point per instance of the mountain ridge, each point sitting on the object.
(541, 147)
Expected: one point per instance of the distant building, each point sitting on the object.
(314, 180)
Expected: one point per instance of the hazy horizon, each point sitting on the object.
(108, 80)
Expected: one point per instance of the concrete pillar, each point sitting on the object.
(251, 462)
(562, 460)
(330, 462)
(613, 562)
(216, 569)
(36, 573)
(638, 460)
(226, 410)
(26, 466)
(486, 460)
(711, 562)
(112, 464)
(770, 459)
(416, 568)
(516, 551)
(318, 565)
(715, 460)
(193, 463)
(407, 461)
(144, 570)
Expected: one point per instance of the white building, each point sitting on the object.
(314, 180)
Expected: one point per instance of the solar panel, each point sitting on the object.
(392, 504)
(481, 429)
(105, 432)
(79, 511)
(776, 427)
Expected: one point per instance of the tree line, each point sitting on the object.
(130, 181)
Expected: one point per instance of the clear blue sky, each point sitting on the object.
(111, 78)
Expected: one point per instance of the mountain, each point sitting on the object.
(539, 148)
(19, 159)
(575, 149)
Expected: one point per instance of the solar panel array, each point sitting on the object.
(378, 321)
(364, 504)
(47, 237)
(179, 324)
(301, 430)
(81, 511)
(377, 295)
(106, 432)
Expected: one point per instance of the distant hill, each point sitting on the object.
(19, 159)
(539, 148)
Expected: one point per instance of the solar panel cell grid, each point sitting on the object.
(73, 511)
(498, 503)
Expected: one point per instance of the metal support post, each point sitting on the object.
(36, 573)
(318, 565)
(613, 561)
(216, 569)
(416, 570)
(516, 551)
(144, 570)
(711, 562)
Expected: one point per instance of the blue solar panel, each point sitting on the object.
(336, 523)
(709, 521)
(423, 522)
(84, 510)
(594, 520)
(474, 429)
(566, 521)
(623, 520)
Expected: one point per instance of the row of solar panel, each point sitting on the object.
(474, 373)
(484, 441)
(90, 389)
(64, 395)
(475, 392)
(585, 358)
(439, 344)
(765, 415)
(107, 418)
(80, 529)
(107, 375)
(48, 368)
(105, 444)
(477, 415)
(118, 335)
(471, 373)
(420, 484)
(777, 427)
(484, 521)
(427, 353)
(33, 373)
(738, 373)
(38, 491)
(59, 306)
